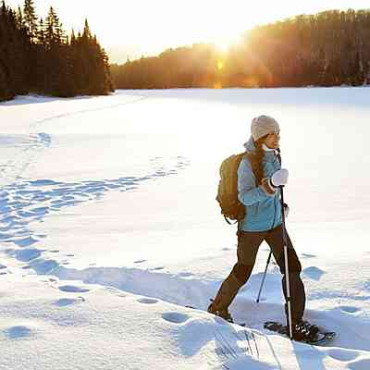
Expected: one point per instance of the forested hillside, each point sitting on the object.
(330, 48)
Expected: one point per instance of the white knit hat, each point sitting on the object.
(263, 125)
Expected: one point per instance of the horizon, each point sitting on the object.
(148, 24)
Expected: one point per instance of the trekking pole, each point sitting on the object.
(288, 297)
(264, 277)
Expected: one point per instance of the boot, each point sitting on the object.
(224, 297)
(225, 314)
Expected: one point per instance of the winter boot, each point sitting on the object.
(225, 314)
(224, 297)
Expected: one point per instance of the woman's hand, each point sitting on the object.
(279, 178)
(267, 187)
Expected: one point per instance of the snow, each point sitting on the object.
(109, 228)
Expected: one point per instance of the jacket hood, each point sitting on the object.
(249, 145)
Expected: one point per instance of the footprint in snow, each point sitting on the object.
(2, 267)
(349, 309)
(175, 317)
(147, 300)
(25, 255)
(18, 332)
(313, 272)
(62, 302)
(26, 242)
(43, 266)
(342, 354)
(73, 289)
(362, 364)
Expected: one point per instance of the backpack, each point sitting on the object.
(227, 194)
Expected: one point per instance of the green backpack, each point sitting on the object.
(227, 194)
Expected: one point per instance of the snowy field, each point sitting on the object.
(109, 228)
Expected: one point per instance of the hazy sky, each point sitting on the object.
(146, 27)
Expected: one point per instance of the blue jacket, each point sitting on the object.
(263, 212)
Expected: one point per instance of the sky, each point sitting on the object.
(135, 28)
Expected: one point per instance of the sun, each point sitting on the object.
(226, 42)
(223, 46)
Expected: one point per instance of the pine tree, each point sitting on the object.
(20, 18)
(86, 33)
(40, 68)
(53, 59)
(41, 32)
(52, 21)
(90, 64)
(30, 19)
(60, 34)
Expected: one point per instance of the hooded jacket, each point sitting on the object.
(263, 212)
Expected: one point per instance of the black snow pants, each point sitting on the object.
(248, 244)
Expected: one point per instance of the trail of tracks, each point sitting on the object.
(37, 141)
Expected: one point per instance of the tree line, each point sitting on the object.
(330, 48)
(37, 56)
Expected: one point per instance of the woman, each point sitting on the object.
(259, 177)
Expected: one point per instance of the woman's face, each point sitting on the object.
(272, 140)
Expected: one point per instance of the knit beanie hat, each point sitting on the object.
(263, 125)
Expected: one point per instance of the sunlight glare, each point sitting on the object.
(220, 65)
(227, 42)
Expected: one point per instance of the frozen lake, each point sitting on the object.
(120, 191)
(151, 159)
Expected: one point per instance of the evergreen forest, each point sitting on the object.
(36, 56)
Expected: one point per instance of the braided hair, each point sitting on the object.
(256, 158)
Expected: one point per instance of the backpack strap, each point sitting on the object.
(278, 155)
(230, 223)
(247, 155)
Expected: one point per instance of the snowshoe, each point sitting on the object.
(303, 331)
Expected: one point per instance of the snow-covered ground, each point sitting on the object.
(109, 228)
